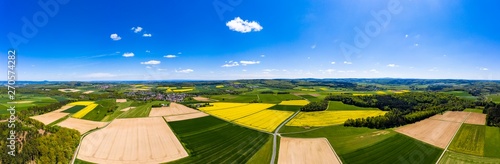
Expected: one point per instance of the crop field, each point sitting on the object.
(473, 110)
(451, 157)
(294, 102)
(234, 98)
(476, 118)
(306, 150)
(231, 114)
(50, 117)
(310, 98)
(452, 116)
(185, 116)
(222, 105)
(211, 139)
(492, 142)
(133, 140)
(339, 106)
(219, 86)
(292, 108)
(84, 111)
(343, 139)
(263, 155)
(265, 120)
(461, 94)
(24, 101)
(140, 111)
(74, 109)
(442, 131)
(396, 149)
(81, 125)
(494, 97)
(326, 118)
(85, 103)
(469, 140)
(183, 90)
(276, 98)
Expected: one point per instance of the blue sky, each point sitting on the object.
(245, 39)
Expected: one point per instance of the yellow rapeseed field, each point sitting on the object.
(219, 86)
(381, 92)
(266, 120)
(294, 102)
(222, 105)
(326, 118)
(183, 90)
(361, 94)
(84, 111)
(239, 111)
(308, 90)
(85, 103)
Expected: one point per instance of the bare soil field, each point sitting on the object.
(199, 98)
(315, 94)
(185, 116)
(476, 118)
(451, 116)
(133, 140)
(81, 125)
(121, 100)
(50, 117)
(173, 109)
(87, 92)
(432, 131)
(306, 150)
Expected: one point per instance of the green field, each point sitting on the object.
(24, 102)
(495, 98)
(211, 139)
(338, 105)
(100, 111)
(264, 154)
(396, 149)
(292, 108)
(473, 110)
(451, 157)
(276, 98)
(74, 109)
(462, 94)
(343, 139)
(310, 98)
(492, 142)
(117, 112)
(141, 110)
(234, 98)
(469, 140)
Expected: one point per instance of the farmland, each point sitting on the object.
(135, 140)
(74, 109)
(451, 157)
(310, 150)
(326, 118)
(339, 106)
(211, 139)
(294, 102)
(494, 97)
(469, 140)
(396, 149)
(85, 111)
(442, 131)
(239, 111)
(265, 120)
(492, 142)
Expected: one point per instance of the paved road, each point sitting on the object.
(275, 134)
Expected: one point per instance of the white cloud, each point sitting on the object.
(313, 46)
(416, 44)
(327, 71)
(483, 69)
(149, 67)
(179, 53)
(148, 51)
(159, 69)
(151, 62)
(374, 71)
(243, 26)
(184, 71)
(245, 62)
(170, 56)
(231, 64)
(99, 75)
(332, 62)
(406, 36)
(346, 62)
(392, 65)
(244, 70)
(269, 70)
(146, 35)
(115, 37)
(434, 69)
(128, 54)
(262, 56)
(137, 29)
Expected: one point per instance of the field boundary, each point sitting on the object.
(449, 143)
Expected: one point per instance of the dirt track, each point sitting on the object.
(121, 100)
(476, 118)
(173, 109)
(302, 150)
(81, 125)
(136, 140)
